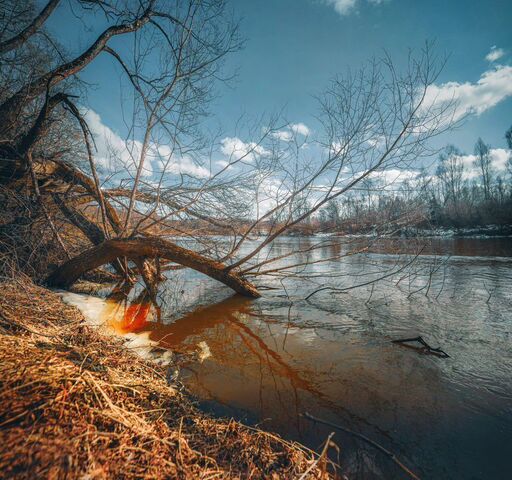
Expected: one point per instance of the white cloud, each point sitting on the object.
(494, 86)
(343, 7)
(346, 7)
(495, 54)
(393, 176)
(283, 135)
(300, 128)
(114, 153)
(377, 142)
(287, 134)
(235, 149)
(337, 149)
(165, 160)
(271, 192)
(184, 165)
(107, 141)
(499, 157)
(222, 163)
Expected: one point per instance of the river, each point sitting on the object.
(270, 360)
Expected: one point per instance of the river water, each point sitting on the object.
(270, 360)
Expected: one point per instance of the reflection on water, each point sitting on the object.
(120, 312)
(277, 357)
(460, 246)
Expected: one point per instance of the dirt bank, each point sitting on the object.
(76, 404)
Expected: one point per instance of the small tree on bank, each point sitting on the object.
(483, 163)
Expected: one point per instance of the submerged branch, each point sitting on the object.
(427, 348)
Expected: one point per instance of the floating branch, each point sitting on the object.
(426, 347)
(374, 444)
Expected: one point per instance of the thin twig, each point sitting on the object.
(432, 350)
(391, 455)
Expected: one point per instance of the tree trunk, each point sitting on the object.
(80, 221)
(151, 247)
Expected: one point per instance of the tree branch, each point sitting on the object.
(26, 33)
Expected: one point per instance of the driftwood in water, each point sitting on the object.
(371, 442)
(425, 349)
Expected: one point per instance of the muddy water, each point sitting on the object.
(274, 358)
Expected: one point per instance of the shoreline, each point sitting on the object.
(77, 404)
(486, 231)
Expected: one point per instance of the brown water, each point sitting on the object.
(274, 358)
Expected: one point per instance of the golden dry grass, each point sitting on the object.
(75, 404)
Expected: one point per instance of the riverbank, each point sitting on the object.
(483, 231)
(77, 404)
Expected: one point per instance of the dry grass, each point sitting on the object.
(74, 404)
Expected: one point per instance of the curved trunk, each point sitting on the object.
(151, 247)
(30, 30)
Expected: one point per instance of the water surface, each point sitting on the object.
(272, 359)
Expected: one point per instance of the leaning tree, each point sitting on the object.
(156, 203)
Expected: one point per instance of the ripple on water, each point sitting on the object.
(271, 360)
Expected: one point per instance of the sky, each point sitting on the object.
(294, 47)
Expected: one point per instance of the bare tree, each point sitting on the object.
(15, 15)
(372, 121)
(193, 37)
(483, 163)
(508, 137)
(333, 213)
(451, 174)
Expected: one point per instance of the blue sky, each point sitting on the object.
(293, 48)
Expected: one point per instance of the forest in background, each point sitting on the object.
(464, 192)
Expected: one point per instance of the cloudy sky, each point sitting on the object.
(293, 48)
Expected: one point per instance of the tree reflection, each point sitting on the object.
(251, 366)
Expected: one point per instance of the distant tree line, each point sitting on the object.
(449, 198)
